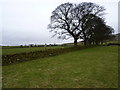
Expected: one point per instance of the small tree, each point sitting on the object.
(102, 33)
(95, 30)
(89, 28)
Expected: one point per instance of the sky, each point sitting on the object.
(25, 21)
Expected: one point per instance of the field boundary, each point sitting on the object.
(21, 57)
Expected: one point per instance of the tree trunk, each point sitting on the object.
(97, 42)
(101, 42)
(75, 41)
(85, 43)
(90, 43)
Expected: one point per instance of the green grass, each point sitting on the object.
(21, 50)
(115, 41)
(88, 68)
(0, 50)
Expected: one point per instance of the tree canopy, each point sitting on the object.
(95, 30)
(78, 21)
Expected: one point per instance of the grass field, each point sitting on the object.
(21, 50)
(87, 68)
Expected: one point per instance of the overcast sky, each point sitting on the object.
(25, 21)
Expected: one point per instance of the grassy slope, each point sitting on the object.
(20, 50)
(88, 68)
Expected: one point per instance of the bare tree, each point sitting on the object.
(87, 12)
(67, 19)
(61, 22)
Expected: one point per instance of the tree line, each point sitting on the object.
(80, 21)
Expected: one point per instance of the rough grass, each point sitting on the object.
(21, 50)
(88, 68)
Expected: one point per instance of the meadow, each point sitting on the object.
(95, 67)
